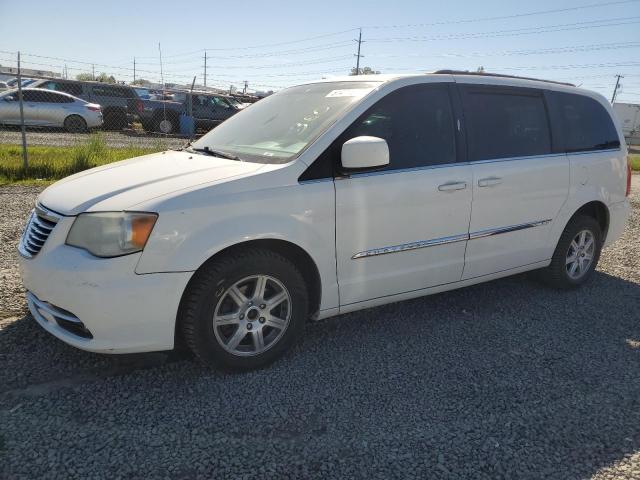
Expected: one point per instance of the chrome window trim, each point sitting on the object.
(403, 247)
(456, 164)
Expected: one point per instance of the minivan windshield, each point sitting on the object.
(277, 128)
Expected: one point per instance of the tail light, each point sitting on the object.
(139, 106)
(94, 108)
(628, 176)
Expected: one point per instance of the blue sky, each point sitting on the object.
(281, 43)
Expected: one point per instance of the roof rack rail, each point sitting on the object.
(500, 75)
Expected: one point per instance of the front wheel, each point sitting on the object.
(244, 310)
(576, 255)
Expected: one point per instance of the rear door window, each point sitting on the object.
(582, 123)
(505, 122)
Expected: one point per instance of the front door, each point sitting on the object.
(519, 183)
(404, 228)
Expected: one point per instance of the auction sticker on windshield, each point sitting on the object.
(350, 92)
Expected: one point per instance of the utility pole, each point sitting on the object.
(615, 89)
(93, 71)
(25, 158)
(358, 55)
(205, 69)
(134, 70)
(246, 85)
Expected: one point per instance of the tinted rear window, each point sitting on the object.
(582, 122)
(504, 123)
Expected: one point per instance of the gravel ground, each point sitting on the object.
(502, 380)
(113, 139)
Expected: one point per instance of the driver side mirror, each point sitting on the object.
(365, 152)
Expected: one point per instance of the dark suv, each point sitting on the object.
(119, 102)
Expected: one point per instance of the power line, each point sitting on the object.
(543, 51)
(290, 42)
(503, 17)
(515, 32)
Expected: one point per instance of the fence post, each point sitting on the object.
(25, 155)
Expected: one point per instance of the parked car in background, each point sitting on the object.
(118, 101)
(208, 110)
(4, 86)
(44, 108)
(327, 198)
(13, 83)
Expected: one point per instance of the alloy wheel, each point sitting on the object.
(252, 315)
(580, 254)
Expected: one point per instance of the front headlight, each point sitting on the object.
(111, 234)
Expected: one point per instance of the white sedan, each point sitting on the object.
(45, 108)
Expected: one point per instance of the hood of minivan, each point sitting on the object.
(119, 186)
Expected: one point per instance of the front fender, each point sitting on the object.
(193, 228)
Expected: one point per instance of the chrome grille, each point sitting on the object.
(39, 227)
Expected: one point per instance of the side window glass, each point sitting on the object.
(108, 92)
(31, 95)
(583, 122)
(504, 124)
(417, 123)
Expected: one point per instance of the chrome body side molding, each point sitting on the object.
(445, 240)
(510, 228)
(411, 246)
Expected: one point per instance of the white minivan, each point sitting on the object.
(322, 199)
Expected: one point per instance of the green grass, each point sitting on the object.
(47, 164)
(635, 162)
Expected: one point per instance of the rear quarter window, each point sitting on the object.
(581, 123)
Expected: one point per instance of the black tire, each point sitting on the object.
(211, 283)
(556, 274)
(75, 124)
(115, 120)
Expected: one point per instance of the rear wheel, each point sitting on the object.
(576, 255)
(244, 310)
(75, 124)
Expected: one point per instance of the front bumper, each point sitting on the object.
(123, 311)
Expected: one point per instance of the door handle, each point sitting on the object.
(489, 181)
(452, 186)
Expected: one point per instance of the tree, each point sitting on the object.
(364, 71)
(480, 69)
(141, 81)
(102, 77)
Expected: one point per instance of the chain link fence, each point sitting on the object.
(40, 109)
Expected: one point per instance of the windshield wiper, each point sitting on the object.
(213, 153)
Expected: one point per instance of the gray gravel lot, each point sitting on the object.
(502, 380)
(51, 137)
